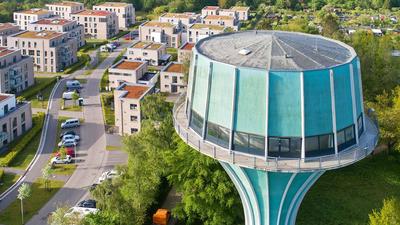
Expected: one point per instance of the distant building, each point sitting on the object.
(125, 12)
(98, 24)
(154, 53)
(51, 51)
(180, 19)
(185, 52)
(16, 71)
(15, 118)
(6, 29)
(127, 101)
(72, 28)
(23, 18)
(161, 32)
(227, 12)
(198, 31)
(210, 10)
(172, 78)
(126, 71)
(64, 9)
(226, 21)
(242, 12)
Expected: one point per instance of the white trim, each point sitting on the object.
(256, 210)
(284, 197)
(334, 129)
(207, 99)
(361, 93)
(267, 202)
(303, 129)
(266, 115)
(235, 74)
(353, 101)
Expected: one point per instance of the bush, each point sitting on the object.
(91, 45)
(108, 113)
(83, 60)
(1, 175)
(19, 144)
(33, 90)
(104, 81)
(120, 34)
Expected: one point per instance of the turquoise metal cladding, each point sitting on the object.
(284, 109)
(317, 103)
(357, 86)
(221, 94)
(343, 100)
(201, 85)
(250, 101)
(275, 197)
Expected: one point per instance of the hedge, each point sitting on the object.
(104, 81)
(120, 34)
(83, 60)
(109, 118)
(33, 90)
(1, 175)
(19, 144)
(92, 45)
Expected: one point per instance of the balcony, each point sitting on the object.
(367, 142)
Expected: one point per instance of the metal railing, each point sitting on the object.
(367, 142)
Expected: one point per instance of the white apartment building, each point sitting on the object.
(127, 101)
(154, 53)
(16, 71)
(64, 9)
(161, 32)
(51, 51)
(185, 52)
(172, 78)
(125, 12)
(126, 71)
(210, 10)
(242, 12)
(226, 21)
(198, 31)
(7, 29)
(184, 20)
(97, 24)
(72, 28)
(23, 18)
(227, 12)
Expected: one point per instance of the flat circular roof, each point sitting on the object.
(276, 50)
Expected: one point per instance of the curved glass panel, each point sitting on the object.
(343, 101)
(357, 87)
(200, 86)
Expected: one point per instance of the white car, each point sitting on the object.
(67, 143)
(70, 137)
(108, 175)
(80, 211)
(59, 160)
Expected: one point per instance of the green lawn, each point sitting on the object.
(22, 160)
(39, 197)
(108, 113)
(73, 108)
(346, 196)
(7, 180)
(92, 44)
(43, 85)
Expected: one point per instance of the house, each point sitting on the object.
(64, 9)
(180, 19)
(226, 21)
(172, 78)
(125, 12)
(198, 31)
(126, 70)
(154, 53)
(25, 17)
(161, 32)
(210, 10)
(185, 52)
(242, 12)
(97, 24)
(7, 29)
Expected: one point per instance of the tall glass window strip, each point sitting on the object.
(284, 147)
(196, 122)
(217, 134)
(248, 143)
(346, 137)
(360, 125)
(319, 145)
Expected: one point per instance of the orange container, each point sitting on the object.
(161, 217)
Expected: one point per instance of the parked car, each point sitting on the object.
(70, 132)
(73, 84)
(68, 95)
(70, 123)
(70, 151)
(108, 175)
(67, 143)
(71, 137)
(89, 203)
(59, 160)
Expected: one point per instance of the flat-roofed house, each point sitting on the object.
(210, 10)
(71, 27)
(126, 71)
(51, 51)
(161, 32)
(64, 9)
(25, 17)
(6, 29)
(98, 24)
(180, 19)
(227, 12)
(15, 118)
(198, 31)
(172, 78)
(185, 52)
(147, 51)
(16, 70)
(226, 21)
(125, 12)
(242, 12)
(127, 102)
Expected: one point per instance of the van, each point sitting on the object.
(70, 123)
(67, 95)
(73, 84)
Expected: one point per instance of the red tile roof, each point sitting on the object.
(135, 91)
(88, 12)
(5, 51)
(187, 46)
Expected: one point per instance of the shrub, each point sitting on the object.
(83, 60)
(19, 144)
(91, 45)
(1, 174)
(33, 90)
(104, 81)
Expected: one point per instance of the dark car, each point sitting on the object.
(90, 203)
(66, 133)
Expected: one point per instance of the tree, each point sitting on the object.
(155, 108)
(330, 25)
(299, 25)
(24, 191)
(46, 173)
(388, 215)
(264, 24)
(75, 97)
(60, 217)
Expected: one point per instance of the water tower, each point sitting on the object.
(277, 109)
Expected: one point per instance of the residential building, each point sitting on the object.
(152, 52)
(198, 31)
(98, 24)
(15, 118)
(51, 51)
(242, 12)
(161, 32)
(127, 102)
(125, 12)
(71, 27)
(7, 29)
(172, 78)
(23, 18)
(227, 12)
(126, 71)
(226, 21)
(185, 52)
(184, 20)
(210, 10)
(64, 9)
(16, 71)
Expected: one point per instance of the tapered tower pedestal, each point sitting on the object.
(270, 198)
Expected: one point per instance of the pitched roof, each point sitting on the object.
(89, 12)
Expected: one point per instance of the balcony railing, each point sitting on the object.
(367, 143)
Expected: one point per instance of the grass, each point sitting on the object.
(346, 196)
(43, 85)
(7, 180)
(73, 108)
(120, 34)
(23, 159)
(92, 44)
(64, 169)
(39, 197)
(108, 113)
(113, 148)
(83, 60)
